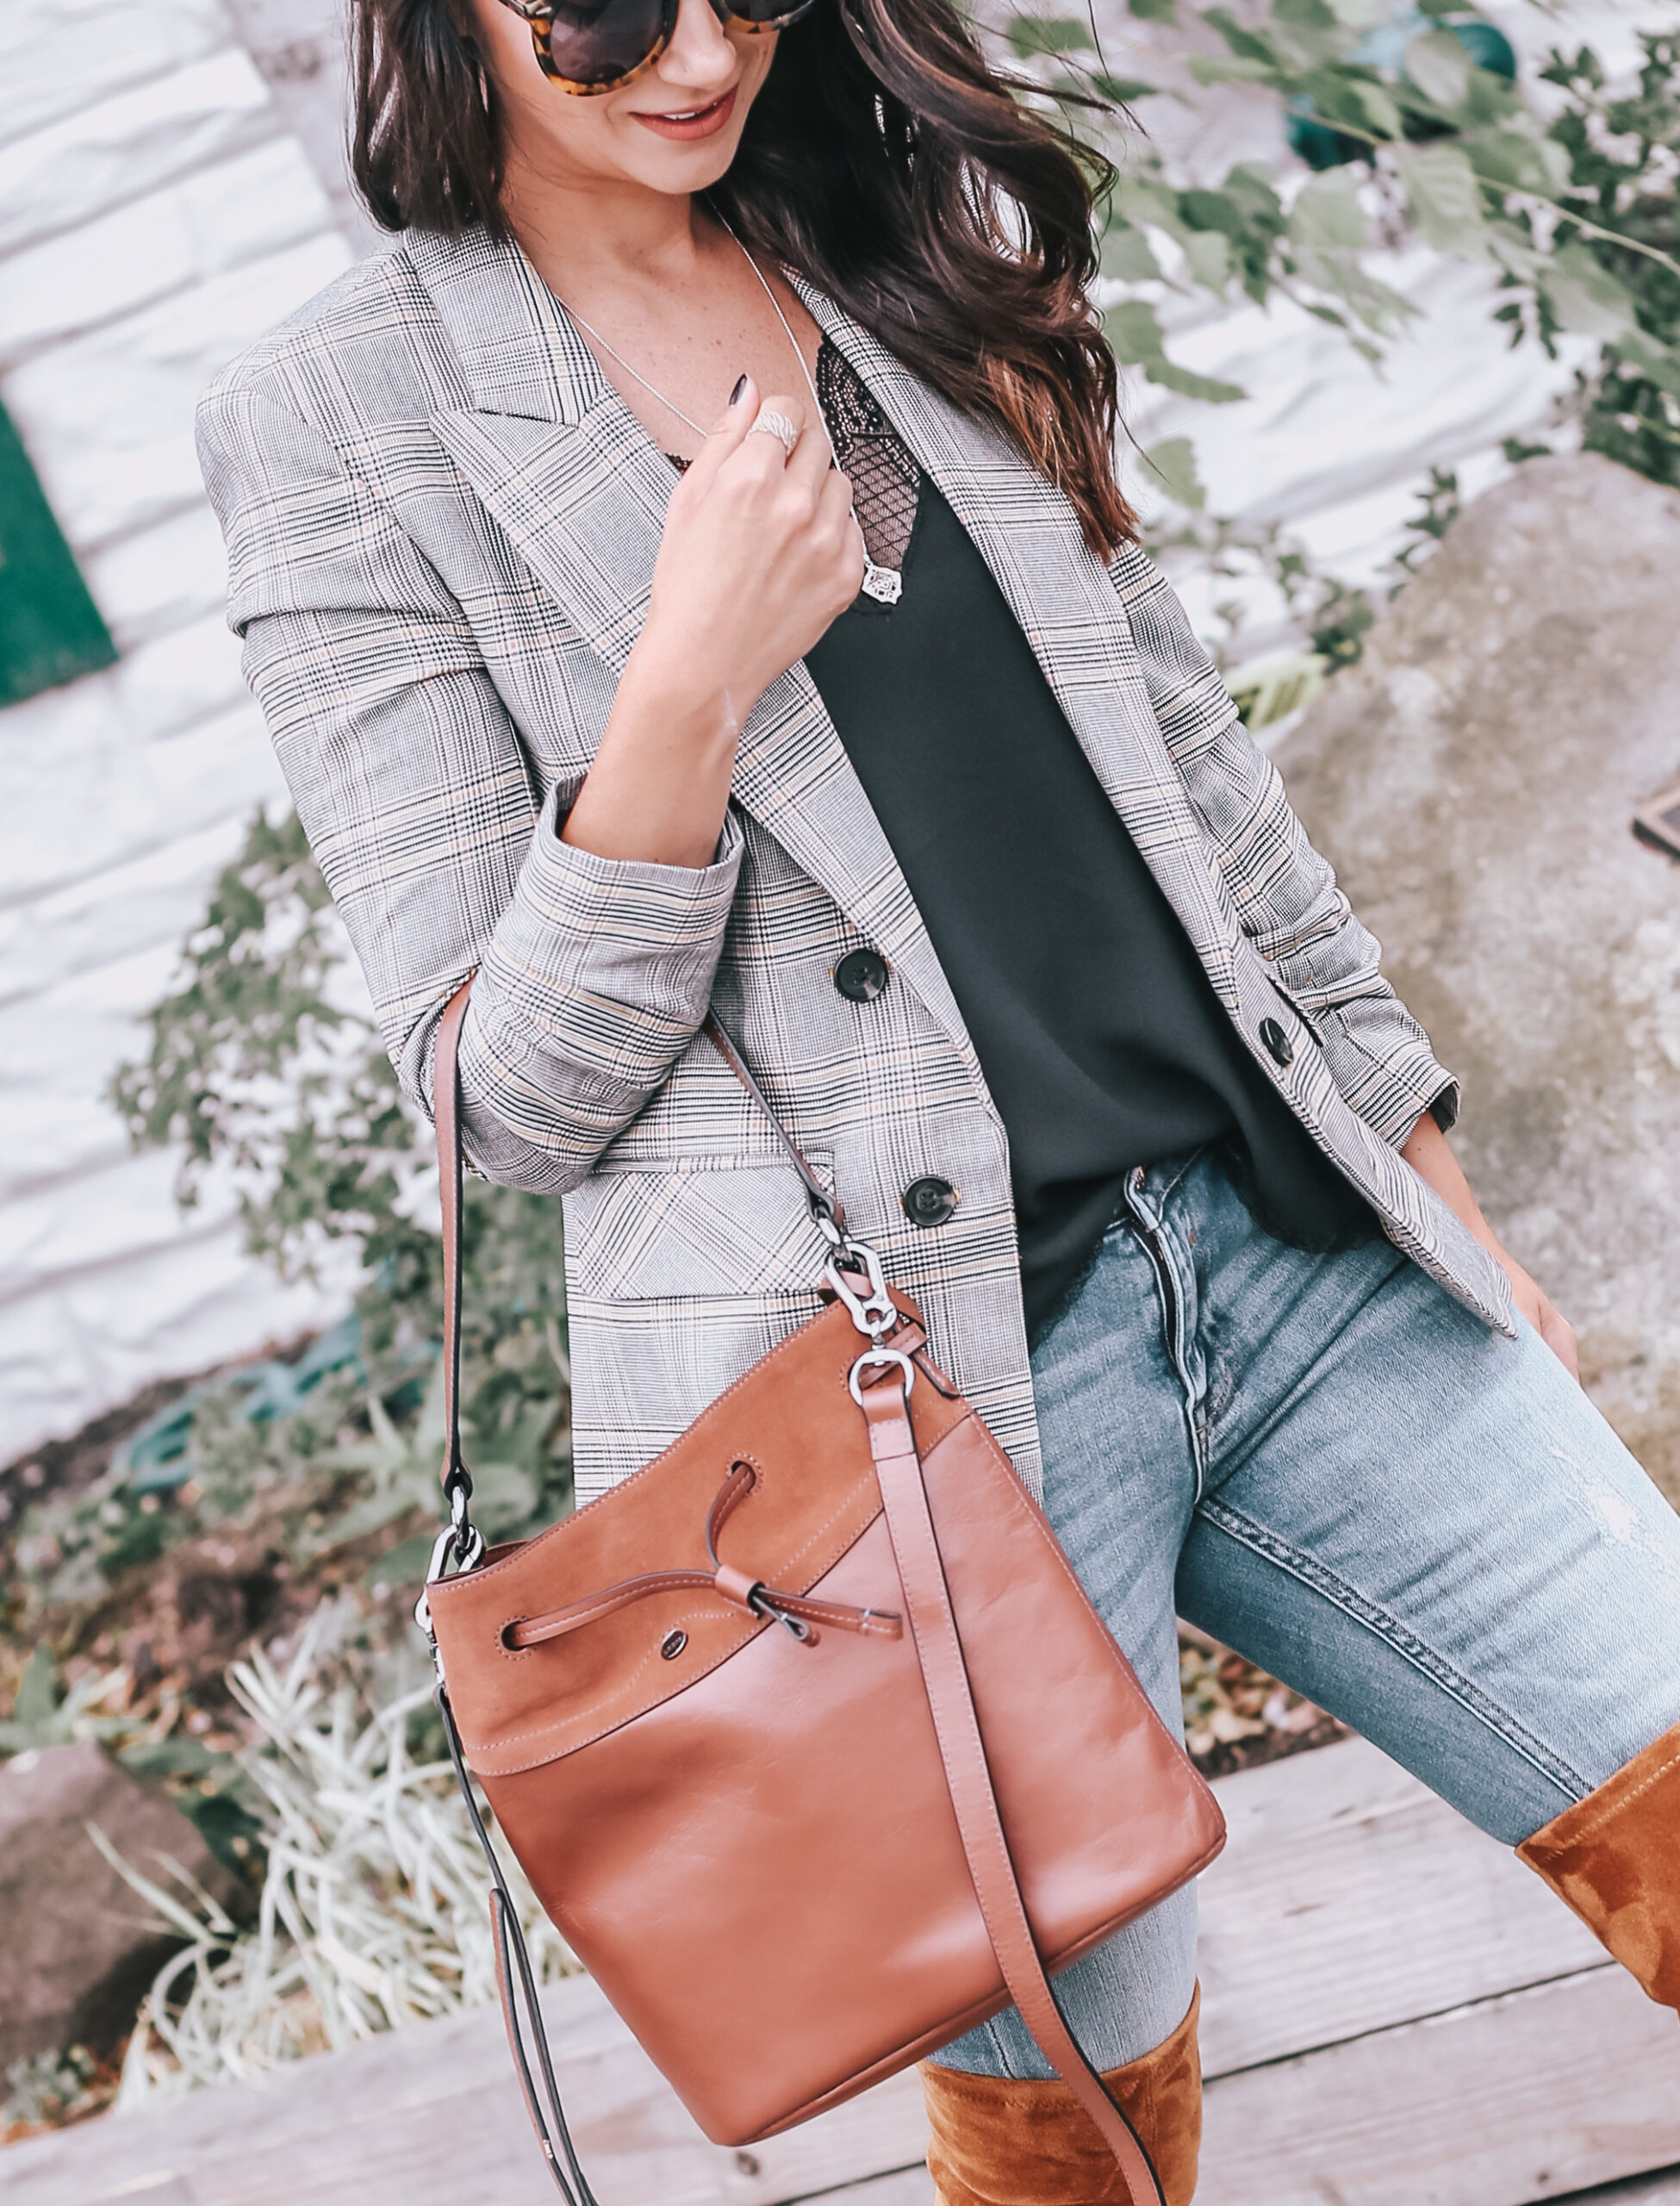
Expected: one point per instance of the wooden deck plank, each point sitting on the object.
(914, 2187)
(1349, 1903)
(1350, 1899)
(1662, 2190)
(908, 2187)
(431, 2116)
(1521, 2098)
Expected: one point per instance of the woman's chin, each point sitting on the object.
(678, 164)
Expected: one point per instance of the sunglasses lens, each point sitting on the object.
(598, 42)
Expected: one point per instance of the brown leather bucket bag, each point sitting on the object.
(807, 1736)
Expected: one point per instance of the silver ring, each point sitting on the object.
(772, 423)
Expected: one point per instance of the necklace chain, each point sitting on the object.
(885, 584)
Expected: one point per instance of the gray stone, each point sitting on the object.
(77, 1944)
(1474, 781)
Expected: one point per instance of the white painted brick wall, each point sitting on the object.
(156, 213)
(170, 184)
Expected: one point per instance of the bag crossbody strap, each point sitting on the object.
(446, 1118)
(822, 1203)
(938, 1652)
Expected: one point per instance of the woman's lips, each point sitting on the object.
(693, 123)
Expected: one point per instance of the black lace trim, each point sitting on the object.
(887, 484)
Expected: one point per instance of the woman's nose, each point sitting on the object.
(700, 54)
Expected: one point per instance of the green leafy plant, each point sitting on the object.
(372, 1908)
(43, 1716)
(1623, 152)
(1415, 124)
(264, 1065)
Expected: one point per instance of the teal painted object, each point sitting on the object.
(154, 1461)
(50, 628)
(1321, 146)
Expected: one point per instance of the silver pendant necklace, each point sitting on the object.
(883, 584)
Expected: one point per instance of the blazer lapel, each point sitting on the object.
(581, 490)
(1065, 603)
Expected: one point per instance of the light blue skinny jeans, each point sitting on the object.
(1327, 1463)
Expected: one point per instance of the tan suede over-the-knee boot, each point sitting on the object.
(994, 2141)
(1615, 1858)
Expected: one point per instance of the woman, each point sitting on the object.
(592, 673)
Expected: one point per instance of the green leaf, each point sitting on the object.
(1376, 107)
(1327, 213)
(1340, 273)
(1445, 199)
(1124, 91)
(1437, 64)
(1135, 335)
(503, 1496)
(1248, 189)
(1212, 210)
(37, 1701)
(1154, 12)
(1207, 256)
(1030, 35)
(1126, 255)
(403, 1565)
(1228, 68)
(1659, 363)
(1173, 461)
(1585, 297)
(181, 1756)
(1313, 17)
(1517, 162)
(1250, 46)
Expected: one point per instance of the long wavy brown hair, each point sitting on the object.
(885, 160)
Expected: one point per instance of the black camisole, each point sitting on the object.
(1101, 1037)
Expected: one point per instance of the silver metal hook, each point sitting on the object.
(873, 1358)
(874, 1313)
(466, 1546)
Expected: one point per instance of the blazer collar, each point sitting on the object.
(520, 354)
(582, 491)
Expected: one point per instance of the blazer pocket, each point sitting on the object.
(704, 1226)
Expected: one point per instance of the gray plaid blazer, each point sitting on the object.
(441, 525)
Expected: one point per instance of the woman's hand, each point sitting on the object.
(1538, 1308)
(760, 554)
(1426, 1151)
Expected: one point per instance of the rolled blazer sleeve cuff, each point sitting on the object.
(600, 970)
(1384, 1064)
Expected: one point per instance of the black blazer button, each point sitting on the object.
(930, 1202)
(861, 976)
(1277, 1041)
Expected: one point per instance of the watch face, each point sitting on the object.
(1659, 821)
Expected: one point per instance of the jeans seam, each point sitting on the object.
(1404, 1642)
(1149, 1233)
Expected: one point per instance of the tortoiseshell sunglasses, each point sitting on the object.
(589, 46)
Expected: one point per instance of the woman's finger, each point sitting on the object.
(1558, 1334)
(731, 426)
(777, 433)
(813, 456)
